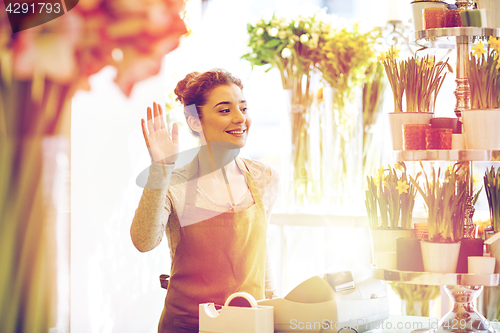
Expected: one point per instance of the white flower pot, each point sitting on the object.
(440, 257)
(492, 9)
(418, 6)
(481, 129)
(398, 119)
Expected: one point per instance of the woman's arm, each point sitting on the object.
(152, 214)
(154, 209)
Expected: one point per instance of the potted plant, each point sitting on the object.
(492, 188)
(419, 80)
(446, 201)
(480, 122)
(390, 198)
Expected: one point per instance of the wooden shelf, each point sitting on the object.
(436, 279)
(447, 155)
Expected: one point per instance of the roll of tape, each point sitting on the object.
(241, 299)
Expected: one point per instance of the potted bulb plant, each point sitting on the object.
(480, 122)
(445, 200)
(390, 198)
(419, 79)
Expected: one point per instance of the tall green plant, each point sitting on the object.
(393, 195)
(492, 188)
(484, 78)
(446, 201)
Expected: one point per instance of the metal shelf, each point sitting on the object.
(447, 155)
(455, 32)
(436, 279)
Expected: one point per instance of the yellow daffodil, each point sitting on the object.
(382, 57)
(494, 42)
(395, 52)
(402, 187)
(430, 63)
(381, 171)
(479, 49)
(399, 166)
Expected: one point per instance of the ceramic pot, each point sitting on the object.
(440, 257)
(384, 240)
(481, 129)
(481, 265)
(398, 119)
(495, 252)
(417, 8)
(409, 255)
(492, 10)
(469, 247)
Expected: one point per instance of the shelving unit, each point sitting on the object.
(463, 289)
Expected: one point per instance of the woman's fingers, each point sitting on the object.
(156, 122)
(151, 127)
(175, 133)
(162, 119)
(144, 132)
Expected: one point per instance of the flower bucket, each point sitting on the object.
(384, 240)
(398, 119)
(492, 12)
(440, 257)
(481, 129)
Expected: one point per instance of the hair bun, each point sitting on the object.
(182, 85)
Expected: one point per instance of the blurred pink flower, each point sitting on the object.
(80, 43)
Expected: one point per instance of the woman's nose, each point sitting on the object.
(239, 117)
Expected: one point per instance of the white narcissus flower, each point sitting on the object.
(304, 38)
(273, 32)
(282, 34)
(259, 32)
(286, 53)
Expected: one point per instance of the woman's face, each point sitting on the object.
(224, 117)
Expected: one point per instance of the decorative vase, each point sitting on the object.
(398, 119)
(417, 8)
(409, 255)
(469, 247)
(342, 146)
(384, 240)
(492, 12)
(440, 257)
(303, 172)
(481, 129)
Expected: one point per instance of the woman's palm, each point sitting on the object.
(162, 148)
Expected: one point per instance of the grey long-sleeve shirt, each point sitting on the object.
(161, 203)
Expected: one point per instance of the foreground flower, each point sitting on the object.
(402, 187)
(69, 49)
(494, 43)
(286, 53)
(479, 49)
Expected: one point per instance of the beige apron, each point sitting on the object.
(214, 258)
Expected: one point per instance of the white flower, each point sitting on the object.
(286, 53)
(304, 38)
(259, 32)
(253, 55)
(291, 41)
(273, 32)
(282, 34)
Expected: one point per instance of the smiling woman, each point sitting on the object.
(215, 218)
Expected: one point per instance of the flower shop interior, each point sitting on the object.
(326, 82)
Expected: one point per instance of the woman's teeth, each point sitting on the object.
(236, 132)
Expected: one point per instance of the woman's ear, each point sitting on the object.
(195, 124)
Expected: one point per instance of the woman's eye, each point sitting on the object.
(244, 109)
(225, 111)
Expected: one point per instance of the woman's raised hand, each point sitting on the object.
(162, 148)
